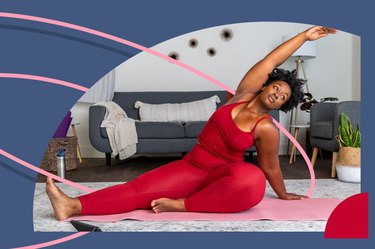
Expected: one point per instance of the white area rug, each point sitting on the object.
(45, 222)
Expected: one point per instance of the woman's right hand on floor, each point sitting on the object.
(291, 196)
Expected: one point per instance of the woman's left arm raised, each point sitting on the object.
(267, 139)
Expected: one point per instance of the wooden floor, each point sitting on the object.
(95, 169)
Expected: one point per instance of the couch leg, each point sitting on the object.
(108, 159)
(250, 157)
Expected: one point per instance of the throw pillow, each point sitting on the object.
(200, 110)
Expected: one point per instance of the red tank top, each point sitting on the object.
(223, 138)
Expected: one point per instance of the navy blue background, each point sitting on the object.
(31, 111)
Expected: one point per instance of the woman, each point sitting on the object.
(213, 177)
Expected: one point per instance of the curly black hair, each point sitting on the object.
(296, 85)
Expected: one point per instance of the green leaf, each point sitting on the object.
(357, 138)
(347, 136)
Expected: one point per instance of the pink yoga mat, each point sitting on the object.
(267, 209)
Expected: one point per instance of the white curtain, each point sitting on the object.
(102, 90)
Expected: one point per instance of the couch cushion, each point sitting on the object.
(159, 130)
(194, 128)
(323, 129)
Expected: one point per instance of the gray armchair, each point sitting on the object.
(324, 122)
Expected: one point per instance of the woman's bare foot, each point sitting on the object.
(63, 206)
(168, 205)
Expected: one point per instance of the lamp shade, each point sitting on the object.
(306, 51)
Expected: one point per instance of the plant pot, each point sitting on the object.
(349, 156)
(348, 164)
(348, 173)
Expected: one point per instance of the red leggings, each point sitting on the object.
(208, 184)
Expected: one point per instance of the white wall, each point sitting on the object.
(335, 71)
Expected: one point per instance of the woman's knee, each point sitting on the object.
(248, 174)
(249, 183)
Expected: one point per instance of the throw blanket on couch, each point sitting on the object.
(121, 130)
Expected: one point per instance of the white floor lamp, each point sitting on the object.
(305, 52)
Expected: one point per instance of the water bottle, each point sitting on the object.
(60, 157)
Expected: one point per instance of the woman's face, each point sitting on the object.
(276, 94)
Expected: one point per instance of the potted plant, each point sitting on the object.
(348, 163)
(308, 101)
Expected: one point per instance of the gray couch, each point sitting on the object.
(154, 137)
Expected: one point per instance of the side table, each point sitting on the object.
(293, 152)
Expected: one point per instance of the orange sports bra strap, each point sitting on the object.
(268, 116)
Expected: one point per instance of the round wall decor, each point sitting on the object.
(193, 43)
(226, 34)
(174, 55)
(211, 52)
